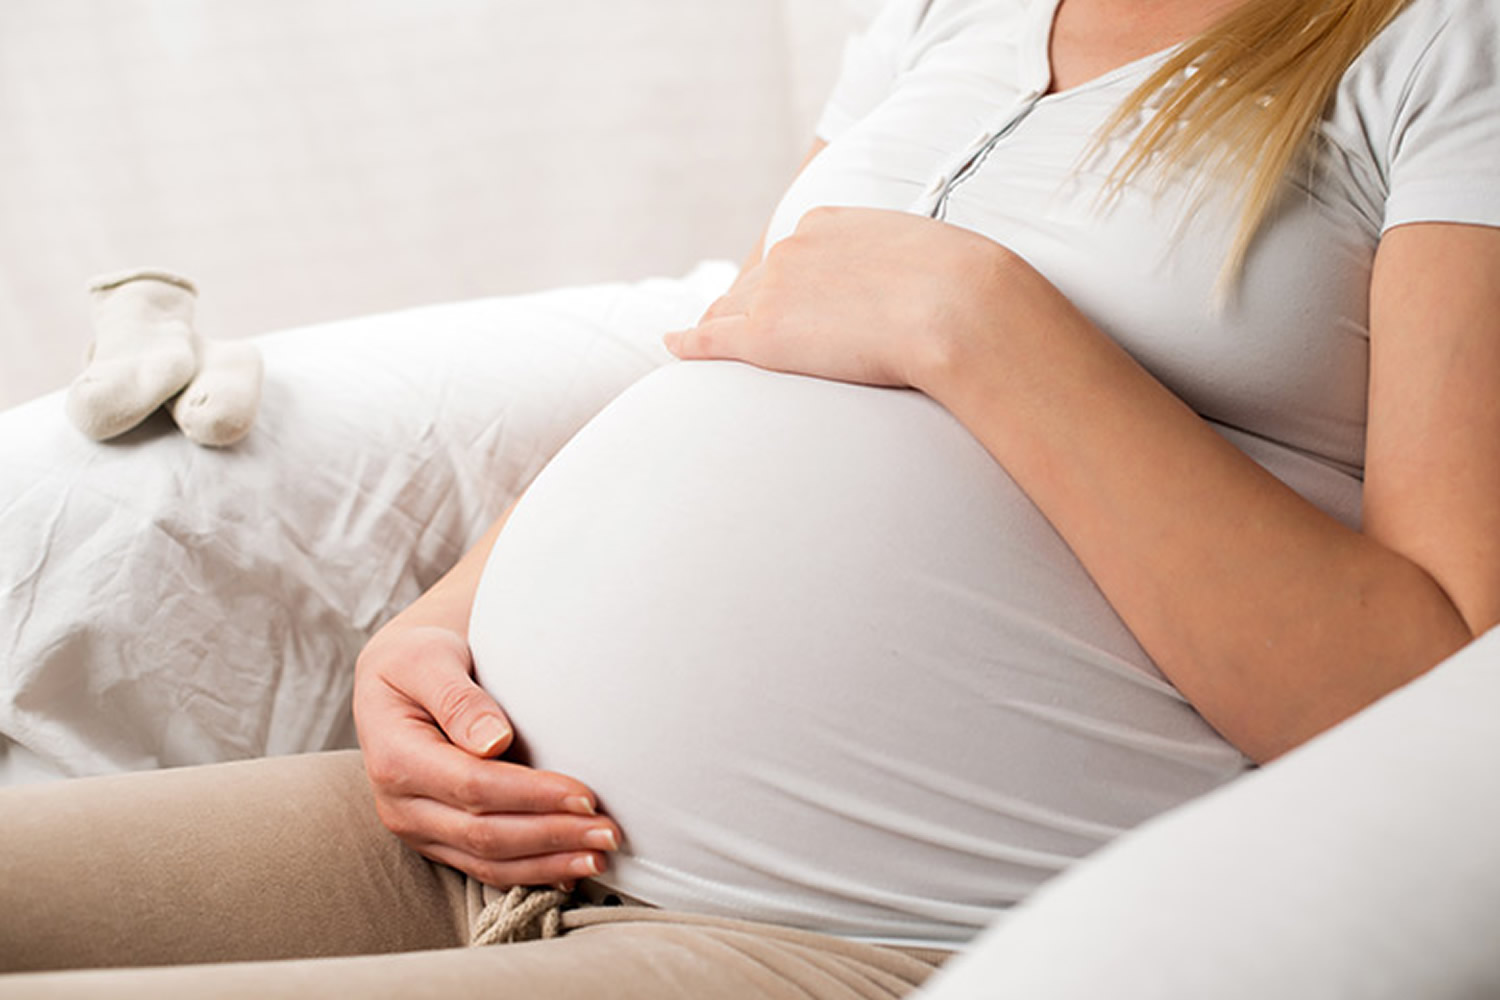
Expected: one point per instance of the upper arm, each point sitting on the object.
(1432, 464)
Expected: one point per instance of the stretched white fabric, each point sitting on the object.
(823, 660)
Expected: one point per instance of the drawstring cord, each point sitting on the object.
(524, 913)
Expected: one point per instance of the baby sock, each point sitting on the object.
(219, 404)
(144, 350)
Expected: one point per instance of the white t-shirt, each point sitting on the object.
(818, 654)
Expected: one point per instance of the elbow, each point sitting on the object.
(1329, 689)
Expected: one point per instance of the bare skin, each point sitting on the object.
(1092, 37)
(434, 742)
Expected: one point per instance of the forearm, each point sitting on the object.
(1275, 620)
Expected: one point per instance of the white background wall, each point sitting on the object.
(314, 159)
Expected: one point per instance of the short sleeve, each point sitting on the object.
(870, 65)
(1444, 151)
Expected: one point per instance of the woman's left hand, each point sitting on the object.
(855, 294)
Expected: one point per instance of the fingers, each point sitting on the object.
(435, 674)
(736, 301)
(417, 762)
(551, 869)
(429, 735)
(470, 717)
(710, 338)
(419, 711)
(723, 337)
(507, 837)
(512, 849)
(503, 823)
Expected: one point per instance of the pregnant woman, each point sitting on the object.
(1111, 406)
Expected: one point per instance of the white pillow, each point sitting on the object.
(1363, 865)
(164, 604)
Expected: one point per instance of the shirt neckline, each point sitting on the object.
(1037, 56)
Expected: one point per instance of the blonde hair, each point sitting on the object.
(1241, 100)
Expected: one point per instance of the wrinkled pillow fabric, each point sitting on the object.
(163, 604)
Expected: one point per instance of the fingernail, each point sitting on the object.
(488, 732)
(579, 805)
(585, 866)
(602, 839)
(673, 340)
(564, 886)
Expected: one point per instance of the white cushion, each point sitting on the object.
(162, 603)
(1364, 865)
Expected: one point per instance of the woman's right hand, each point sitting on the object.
(430, 736)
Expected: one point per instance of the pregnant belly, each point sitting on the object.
(822, 659)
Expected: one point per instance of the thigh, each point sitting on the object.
(623, 954)
(275, 858)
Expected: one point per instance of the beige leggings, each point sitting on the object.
(274, 878)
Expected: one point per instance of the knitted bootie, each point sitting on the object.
(144, 350)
